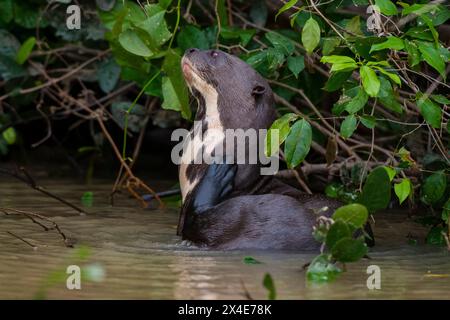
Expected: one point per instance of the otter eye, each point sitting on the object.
(214, 54)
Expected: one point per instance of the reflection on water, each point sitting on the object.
(143, 258)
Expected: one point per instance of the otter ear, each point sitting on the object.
(258, 90)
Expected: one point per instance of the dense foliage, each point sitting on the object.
(362, 94)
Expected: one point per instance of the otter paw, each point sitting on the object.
(215, 185)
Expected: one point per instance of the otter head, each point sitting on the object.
(226, 81)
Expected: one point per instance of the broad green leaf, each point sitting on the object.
(391, 43)
(418, 9)
(296, 64)
(391, 172)
(431, 112)
(286, 7)
(387, 96)
(391, 75)
(368, 121)
(357, 103)
(9, 45)
(376, 192)
(354, 26)
(370, 81)
(25, 50)
(192, 37)
(336, 80)
(156, 28)
(432, 56)
(354, 214)
(281, 43)
(413, 53)
(403, 189)
(322, 270)
(439, 98)
(298, 143)
(259, 12)
(270, 286)
(278, 131)
(348, 126)
(337, 59)
(338, 230)
(311, 35)
(6, 10)
(446, 212)
(10, 135)
(174, 88)
(131, 42)
(329, 44)
(433, 188)
(108, 73)
(349, 250)
(386, 7)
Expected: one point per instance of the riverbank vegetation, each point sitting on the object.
(360, 88)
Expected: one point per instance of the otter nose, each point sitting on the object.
(191, 50)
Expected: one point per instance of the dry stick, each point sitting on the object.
(34, 218)
(56, 80)
(32, 183)
(22, 239)
(132, 178)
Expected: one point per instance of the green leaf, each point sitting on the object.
(175, 91)
(376, 192)
(329, 44)
(25, 50)
(258, 12)
(296, 64)
(336, 80)
(9, 135)
(281, 43)
(370, 81)
(357, 103)
(156, 28)
(391, 43)
(298, 143)
(368, 121)
(192, 37)
(446, 212)
(278, 132)
(286, 7)
(338, 230)
(391, 172)
(9, 45)
(413, 53)
(270, 286)
(251, 260)
(431, 112)
(108, 74)
(435, 236)
(87, 199)
(322, 270)
(349, 250)
(439, 98)
(337, 59)
(6, 11)
(403, 189)
(387, 97)
(432, 56)
(310, 35)
(433, 188)
(348, 126)
(391, 75)
(354, 214)
(131, 42)
(386, 7)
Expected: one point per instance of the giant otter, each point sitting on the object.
(227, 206)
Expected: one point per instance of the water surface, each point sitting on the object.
(142, 258)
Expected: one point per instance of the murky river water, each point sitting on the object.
(136, 254)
